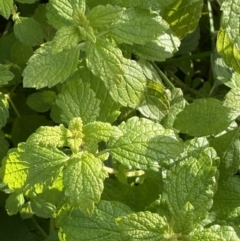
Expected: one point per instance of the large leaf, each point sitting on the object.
(47, 69)
(145, 144)
(32, 167)
(189, 189)
(105, 61)
(216, 233)
(28, 31)
(103, 16)
(138, 26)
(100, 226)
(59, 13)
(78, 100)
(130, 91)
(183, 16)
(204, 117)
(6, 8)
(83, 181)
(228, 37)
(143, 226)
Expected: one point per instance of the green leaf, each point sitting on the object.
(27, 1)
(78, 100)
(28, 31)
(6, 8)
(103, 16)
(83, 181)
(189, 189)
(228, 37)
(66, 38)
(228, 149)
(14, 203)
(59, 13)
(5, 75)
(158, 50)
(21, 53)
(100, 226)
(177, 104)
(105, 61)
(130, 91)
(156, 105)
(3, 110)
(32, 167)
(41, 101)
(227, 196)
(49, 136)
(143, 226)
(232, 99)
(204, 117)
(47, 69)
(4, 146)
(109, 109)
(145, 144)
(75, 134)
(215, 233)
(42, 208)
(138, 26)
(183, 16)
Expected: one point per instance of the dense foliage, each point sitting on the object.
(119, 120)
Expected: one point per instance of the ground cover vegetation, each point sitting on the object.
(119, 120)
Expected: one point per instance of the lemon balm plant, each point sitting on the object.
(120, 119)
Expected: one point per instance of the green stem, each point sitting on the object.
(181, 84)
(102, 152)
(211, 23)
(13, 106)
(39, 228)
(110, 170)
(163, 76)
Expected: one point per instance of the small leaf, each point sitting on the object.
(49, 136)
(28, 31)
(183, 16)
(156, 105)
(138, 26)
(189, 189)
(21, 53)
(105, 61)
(41, 101)
(47, 69)
(3, 110)
(232, 99)
(83, 181)
(100, 226)
(42, 208)
(75, 134)
(78, 100)
(5, 75)
(32, 167)
(14, 203)
(143, 226)
(144, 144)
(6, 8)
(204, 117)
(103, 16)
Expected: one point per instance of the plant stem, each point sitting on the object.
(13, 106)
(110, 170)
(162, 75)
(102, 152)
(181, 84)
(39, 228)
(211, 23)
